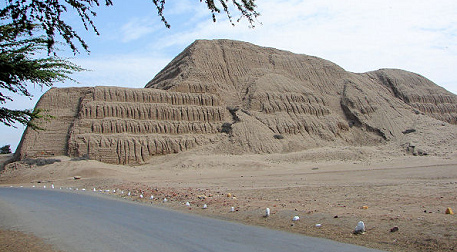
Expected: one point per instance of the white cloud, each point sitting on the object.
(137, 28)
(119, 70)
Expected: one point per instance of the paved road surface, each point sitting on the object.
(84, 222)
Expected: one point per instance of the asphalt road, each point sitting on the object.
(84, 222)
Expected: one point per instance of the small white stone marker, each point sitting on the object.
(360, 228)
(267, 212)
(295, 218)
(205, 206)
(165, 200)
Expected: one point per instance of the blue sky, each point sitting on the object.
(359, 35)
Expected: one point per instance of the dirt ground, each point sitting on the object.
(402, 199)
(14, 241)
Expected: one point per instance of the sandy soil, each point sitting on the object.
(14, 241)
(333, 187)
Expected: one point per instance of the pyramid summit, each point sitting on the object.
(240, 98)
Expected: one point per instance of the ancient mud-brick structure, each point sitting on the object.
(238, 98)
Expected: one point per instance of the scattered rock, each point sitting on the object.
(449, 211)
(77, 177)
(40, 161)
(360, 228)
(394, 229)
(411, 148)
(296, 218)
(278, 137)
(267, 212)
(408, 131)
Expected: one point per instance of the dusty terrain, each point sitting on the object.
(334, 187)
(231, 124)
(12, 241)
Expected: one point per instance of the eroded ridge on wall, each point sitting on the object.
(128, 126)
(420, 93)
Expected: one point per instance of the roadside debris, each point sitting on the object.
(394, 229)
(360, 228)
(267, 212)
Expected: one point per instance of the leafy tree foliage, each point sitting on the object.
(5, 149)
(26, 13)
(20, 65)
